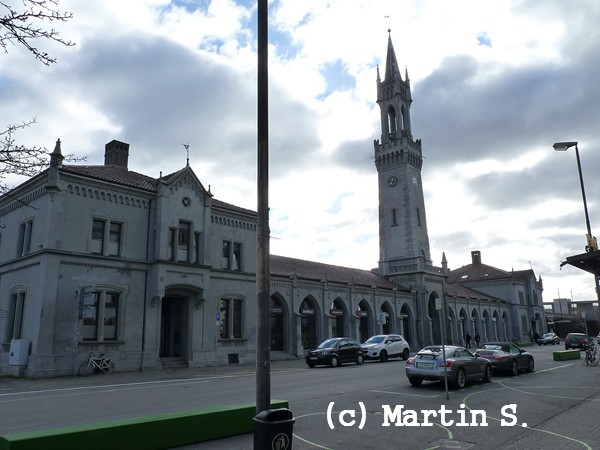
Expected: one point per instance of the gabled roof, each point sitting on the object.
(124, 177)
(229, 207)
(523, 274)
(310, 270)
(114, 174)
(477, 272)
(460, 291)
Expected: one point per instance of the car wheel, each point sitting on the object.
(531, 366)
(334, 362)
(487, 376)
(360, 359)
(514, 368)
(461, 379)
(405, 354)
(383, 356)
(415, 381)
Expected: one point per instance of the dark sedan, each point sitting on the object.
(457, 364)
(549, 338)
(334, 352)
(507, 357)
(577, 340)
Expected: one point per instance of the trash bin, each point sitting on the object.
(273, 429)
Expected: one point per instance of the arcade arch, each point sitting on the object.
(308, 323)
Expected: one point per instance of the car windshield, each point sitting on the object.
(491, 347)
(431, 351)
(576, 337)
(375, 340)
(329, 343)
(547, 335)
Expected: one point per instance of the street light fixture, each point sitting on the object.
(591, 240)
(592, 244)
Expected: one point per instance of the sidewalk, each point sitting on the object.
(10, 384)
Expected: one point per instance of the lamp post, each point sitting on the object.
(561, 147)
(592, 244)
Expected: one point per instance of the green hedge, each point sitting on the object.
(565, 355)
(143, 433)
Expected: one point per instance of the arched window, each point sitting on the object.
(392, 124)
(404, 118)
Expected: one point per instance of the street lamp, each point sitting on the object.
(591, 240)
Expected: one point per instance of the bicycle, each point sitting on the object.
(96, 364)
(591, 355)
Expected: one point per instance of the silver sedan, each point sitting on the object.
(459, 367)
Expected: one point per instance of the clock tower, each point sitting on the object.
(403, 238)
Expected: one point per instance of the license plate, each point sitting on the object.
(425, 365)
(312, 357)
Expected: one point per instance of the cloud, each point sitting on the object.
(494, 85)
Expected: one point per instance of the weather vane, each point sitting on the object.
(187, 151)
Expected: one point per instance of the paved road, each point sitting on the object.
(553, 408)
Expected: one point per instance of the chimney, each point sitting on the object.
(116, 153)
(476, 257)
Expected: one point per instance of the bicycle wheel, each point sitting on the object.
(108, 366)
(86, 369)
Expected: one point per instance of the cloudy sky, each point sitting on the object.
(494, 85)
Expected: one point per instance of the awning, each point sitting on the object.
(590, 262)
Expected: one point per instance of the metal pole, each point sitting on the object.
(444, 357)
(263, 350)
(587, 216)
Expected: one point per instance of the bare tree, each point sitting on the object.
(25, 26)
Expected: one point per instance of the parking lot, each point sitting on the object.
(553, 408)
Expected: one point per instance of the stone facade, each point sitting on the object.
(155, 271)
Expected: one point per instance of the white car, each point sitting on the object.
(384, 346)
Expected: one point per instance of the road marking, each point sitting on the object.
(539, 430)
(410, 395)
(446, 429)
(553, 368)
(119, 385)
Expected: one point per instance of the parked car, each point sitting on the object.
(549, 338)
(461, 366)
(385, 346)
(334, 352)
(577, 340)
(507, 357)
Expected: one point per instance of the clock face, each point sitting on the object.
(392, 181)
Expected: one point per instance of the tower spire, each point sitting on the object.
(391, 64)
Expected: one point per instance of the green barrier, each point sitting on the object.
(143, 433)
(565, 355)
